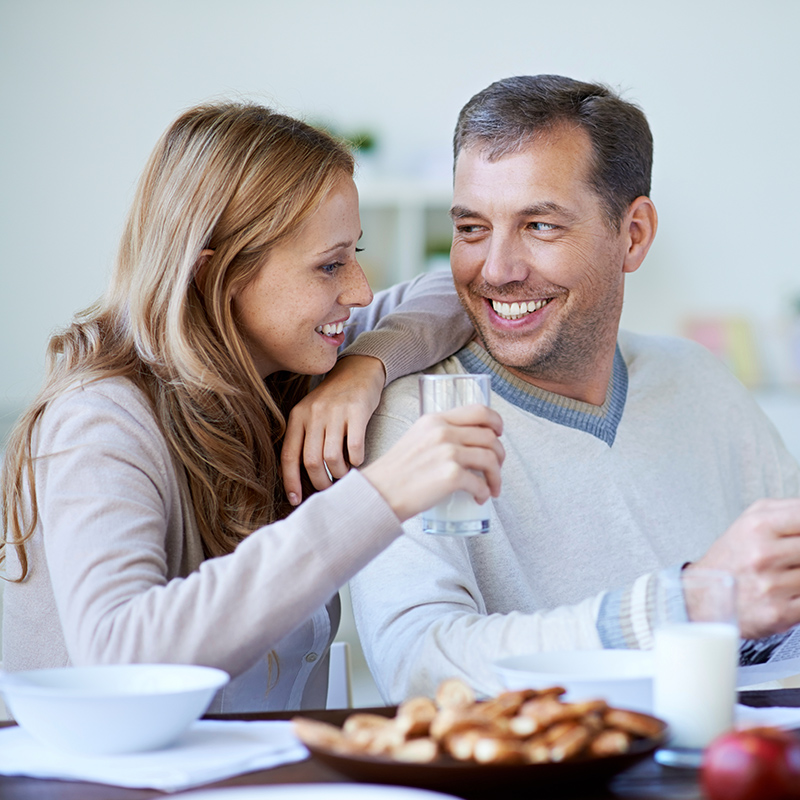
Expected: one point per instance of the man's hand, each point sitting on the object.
(762, 551)
(327, 426)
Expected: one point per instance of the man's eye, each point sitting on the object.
(467, 229)
(542, 226)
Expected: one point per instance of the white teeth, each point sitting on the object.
(517, 310)
(330, 330)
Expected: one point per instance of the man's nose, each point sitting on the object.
(506, 262)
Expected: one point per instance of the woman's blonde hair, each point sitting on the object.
(234, 179)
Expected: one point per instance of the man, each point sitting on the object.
(625, 455)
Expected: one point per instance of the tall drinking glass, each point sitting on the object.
(458, 514)
(694, 687)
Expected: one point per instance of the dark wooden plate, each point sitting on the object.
(447, 774)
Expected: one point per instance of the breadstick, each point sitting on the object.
(610, 742)
(570, 743)
(414, 716)
(536, 750)
(372, 733)
(452, 720)
(462, 745)
(632, 722)
(506, 704)
(314, 733)
(489, 750)
(454, 693)
(416, 751)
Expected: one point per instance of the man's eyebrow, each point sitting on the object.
(544, 208)
(536, 210)
(458, 212)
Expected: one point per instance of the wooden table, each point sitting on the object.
(645, 781)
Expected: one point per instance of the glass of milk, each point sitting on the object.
(696, 660)
(458, 514)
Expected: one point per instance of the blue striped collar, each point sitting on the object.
(600, 421)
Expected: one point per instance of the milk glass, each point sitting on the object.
(458, 514)
(694, 686)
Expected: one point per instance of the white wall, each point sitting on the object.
(88, 85)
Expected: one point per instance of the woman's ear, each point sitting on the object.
(640, 225)
(201, 269)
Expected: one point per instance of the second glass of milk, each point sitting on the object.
(458, 514)
(696, 660)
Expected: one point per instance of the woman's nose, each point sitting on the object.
(356, 291)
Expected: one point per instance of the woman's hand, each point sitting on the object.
(440, 454)
(327, 426)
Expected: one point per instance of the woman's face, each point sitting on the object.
(292, 313)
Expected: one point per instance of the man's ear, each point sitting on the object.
(639, 226)
(201, 268)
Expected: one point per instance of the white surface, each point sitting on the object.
(694, 686)
(340, 692)
(317, 791)
(110, 709)
(365, 691)
(621, 677)
(209, 751)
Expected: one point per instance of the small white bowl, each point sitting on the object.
(624, 678)
(110, 709)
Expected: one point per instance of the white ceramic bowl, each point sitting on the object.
(104, 710)
(624, 678)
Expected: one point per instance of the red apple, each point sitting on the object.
(752, 764)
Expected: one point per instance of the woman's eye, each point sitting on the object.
(329, 269)
(359, 249)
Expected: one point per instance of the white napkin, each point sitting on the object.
(767, 675)
(778, 716)
(209, 751)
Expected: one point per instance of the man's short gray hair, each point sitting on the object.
(510, 113)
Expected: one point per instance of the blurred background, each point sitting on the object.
(87, 86)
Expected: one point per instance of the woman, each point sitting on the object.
(144, 515)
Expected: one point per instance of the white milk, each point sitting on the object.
(458, 514)
(694, 687)
(458, 507)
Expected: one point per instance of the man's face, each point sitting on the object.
(535, 262)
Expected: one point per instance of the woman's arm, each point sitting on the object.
(123, 556)
(406, 328)
(410, 326)
(124, 560)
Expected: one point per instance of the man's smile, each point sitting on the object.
(517, 310)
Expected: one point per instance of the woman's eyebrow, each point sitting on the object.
(339, 245)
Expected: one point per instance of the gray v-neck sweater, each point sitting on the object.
(594, 502)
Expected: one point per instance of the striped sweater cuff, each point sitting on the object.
(626, 616)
